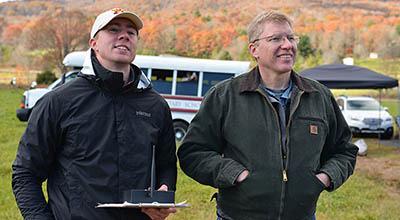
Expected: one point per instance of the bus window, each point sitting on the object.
(210, 79)
(186, 83)
(162, 80)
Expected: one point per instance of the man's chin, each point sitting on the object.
(124, 59)
(286, 69)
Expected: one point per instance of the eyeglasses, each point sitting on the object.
(280, 39)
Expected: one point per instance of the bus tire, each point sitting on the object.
(180, 129)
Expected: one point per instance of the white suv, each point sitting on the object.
(366, 115)
(74, 61)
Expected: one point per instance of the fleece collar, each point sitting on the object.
(87, 69)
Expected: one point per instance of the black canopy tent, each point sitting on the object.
(340, 76)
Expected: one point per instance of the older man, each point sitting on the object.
(92, 138)
(270, 140)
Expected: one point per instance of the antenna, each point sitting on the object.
(146, 196)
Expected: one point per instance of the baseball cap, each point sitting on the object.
(104, 18)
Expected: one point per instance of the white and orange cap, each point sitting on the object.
(104, 18)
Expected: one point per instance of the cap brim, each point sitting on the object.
(132, 17)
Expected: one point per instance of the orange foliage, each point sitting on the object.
(202, 43)
(226, 35)
(12, 32)
(207, 27)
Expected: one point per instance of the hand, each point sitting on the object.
(159, 213)
(324, 179)
(242, 176)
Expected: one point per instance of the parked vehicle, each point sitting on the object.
(366, 115)
(181, 81)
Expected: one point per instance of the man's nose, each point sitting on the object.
(123, 35)
(286, 43)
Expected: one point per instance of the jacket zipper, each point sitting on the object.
(115, 103)
(284, 173)
(285, 161)
(286, 165)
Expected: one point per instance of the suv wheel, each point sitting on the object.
(180, 129)
(388, 134)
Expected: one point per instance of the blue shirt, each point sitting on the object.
(282, 96)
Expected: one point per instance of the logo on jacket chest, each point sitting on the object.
(145, 114)
(314, 129)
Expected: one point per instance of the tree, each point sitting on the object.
(304, 46)
(56, 34)
(5, 53)
(225, 56)
(46, 77)
(12, 32)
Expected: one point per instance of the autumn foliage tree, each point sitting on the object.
(305, 49)
(12, 32)
(207, 29)
(55, 34)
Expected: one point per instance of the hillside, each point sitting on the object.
(206, 28)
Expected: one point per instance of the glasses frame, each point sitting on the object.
(270, 38)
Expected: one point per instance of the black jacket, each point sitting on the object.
(91, 140)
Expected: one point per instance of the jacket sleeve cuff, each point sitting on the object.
(227, 176)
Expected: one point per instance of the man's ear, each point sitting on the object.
(253, 50)
(93, 43)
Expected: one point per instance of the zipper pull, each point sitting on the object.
(285, 179)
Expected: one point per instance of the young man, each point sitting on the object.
(270, 140)
(92, 138)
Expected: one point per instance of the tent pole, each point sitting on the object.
(380, 117)
(397, 116)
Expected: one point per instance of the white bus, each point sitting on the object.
(181, 81)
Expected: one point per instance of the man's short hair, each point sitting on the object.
(255, 28)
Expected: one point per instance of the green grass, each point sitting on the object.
(359, 198)
(364, 196)
(384, 66)
(198, 196)
(10, 132)
(393, 106)
(383, 93)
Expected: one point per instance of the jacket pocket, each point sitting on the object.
(307, 138)
(303, 193)
(317, 181)
(237, 195)
(252, 195)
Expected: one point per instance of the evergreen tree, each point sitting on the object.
(304, 47)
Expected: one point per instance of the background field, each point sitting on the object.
(373, 192)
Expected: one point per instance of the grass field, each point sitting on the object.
(373, 192)
(388, 67)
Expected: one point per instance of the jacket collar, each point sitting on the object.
(252, 80)
(88, 69)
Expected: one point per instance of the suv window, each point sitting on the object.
(363, 105)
